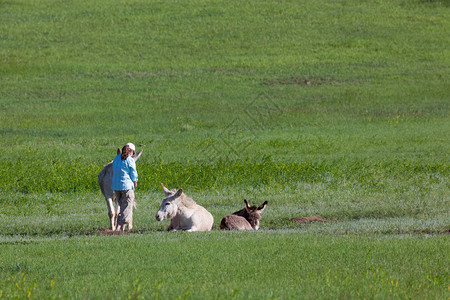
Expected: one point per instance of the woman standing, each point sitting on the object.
(124, 182)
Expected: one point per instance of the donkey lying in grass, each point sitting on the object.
(244, 219)
(184, 213)
(105, 181)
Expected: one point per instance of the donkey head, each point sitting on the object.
(254, 213)
(169, 205)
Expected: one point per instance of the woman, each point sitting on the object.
(124, 182)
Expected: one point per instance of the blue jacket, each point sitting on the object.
(124, 173)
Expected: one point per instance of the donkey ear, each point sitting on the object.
(247, 207)
(262, 206)
(119, 151)
(137, 155)
(166, 191)
(178, 193)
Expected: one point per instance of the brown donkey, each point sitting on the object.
(244, 219)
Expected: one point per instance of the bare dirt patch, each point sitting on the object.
(309, 219)
(302, 81)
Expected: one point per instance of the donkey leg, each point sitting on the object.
(111, 213)
(189, 229)
(116, 211)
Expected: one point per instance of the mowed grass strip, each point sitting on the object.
(252, 265)
(351, 209)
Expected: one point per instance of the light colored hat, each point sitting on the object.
(132, 147)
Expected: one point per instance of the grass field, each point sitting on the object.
(337, 109)
(275, 264)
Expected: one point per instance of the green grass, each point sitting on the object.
(338, 109)
(228, 265)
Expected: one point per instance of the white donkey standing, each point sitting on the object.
(184, 213)
(105, 181)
